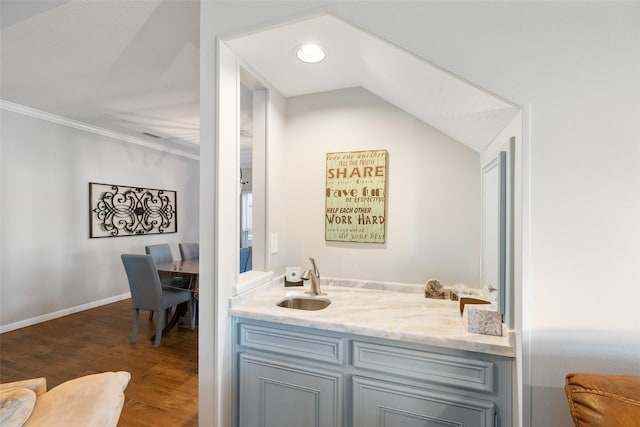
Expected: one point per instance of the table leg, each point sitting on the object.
(181, 310)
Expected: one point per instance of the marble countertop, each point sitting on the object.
(395, 315)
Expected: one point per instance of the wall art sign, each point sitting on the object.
(356, 195)
(118, 210)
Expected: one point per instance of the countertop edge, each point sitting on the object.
(464, 341)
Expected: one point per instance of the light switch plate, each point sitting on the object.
(274, 243)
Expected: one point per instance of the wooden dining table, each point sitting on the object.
(189, 267)
(190, 270)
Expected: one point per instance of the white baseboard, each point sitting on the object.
(61, 313)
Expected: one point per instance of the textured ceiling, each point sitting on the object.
(133, 67)
(127, 66)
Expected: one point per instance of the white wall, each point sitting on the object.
(577, 65)
(433, 192)
(50, 266)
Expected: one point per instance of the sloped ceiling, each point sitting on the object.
(132, 67)
(356, 58)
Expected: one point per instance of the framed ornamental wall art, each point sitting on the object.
(356, 196)
(118, 210)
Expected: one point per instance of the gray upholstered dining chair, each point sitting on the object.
(159, 253)
(189, 250)
(162, 253)
(246, 259)
(147, 293)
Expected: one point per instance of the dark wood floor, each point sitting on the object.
(163, 390)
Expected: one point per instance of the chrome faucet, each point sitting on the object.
(314, 275)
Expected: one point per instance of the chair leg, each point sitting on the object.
(192, 314)
(159, 325)
(151, 315)
(134, 329)
(195, 312)
(196, 307)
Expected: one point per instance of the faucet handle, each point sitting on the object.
(315, 268)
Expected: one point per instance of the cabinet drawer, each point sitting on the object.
(292, 343)
(386, 404)
(458, 372)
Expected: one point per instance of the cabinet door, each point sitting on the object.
(384, 404)
(274, 394)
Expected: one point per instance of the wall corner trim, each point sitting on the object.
(43, 115)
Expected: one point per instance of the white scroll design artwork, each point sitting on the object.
(118, 210)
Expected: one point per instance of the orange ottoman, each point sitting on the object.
(600, 400)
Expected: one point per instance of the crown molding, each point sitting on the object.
(53, 118)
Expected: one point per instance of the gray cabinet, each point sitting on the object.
(386, 404)
(288, 376)
(276, 394)
(444, 388)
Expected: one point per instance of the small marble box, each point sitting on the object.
(482, 319)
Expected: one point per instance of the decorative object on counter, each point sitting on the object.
(355, 196)
(292, 277)
(434, 289)
(118, 210)
(288, 284)
(464, 300)
(482, 319)
(457, 291)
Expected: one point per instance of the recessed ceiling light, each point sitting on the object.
(310, 53)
